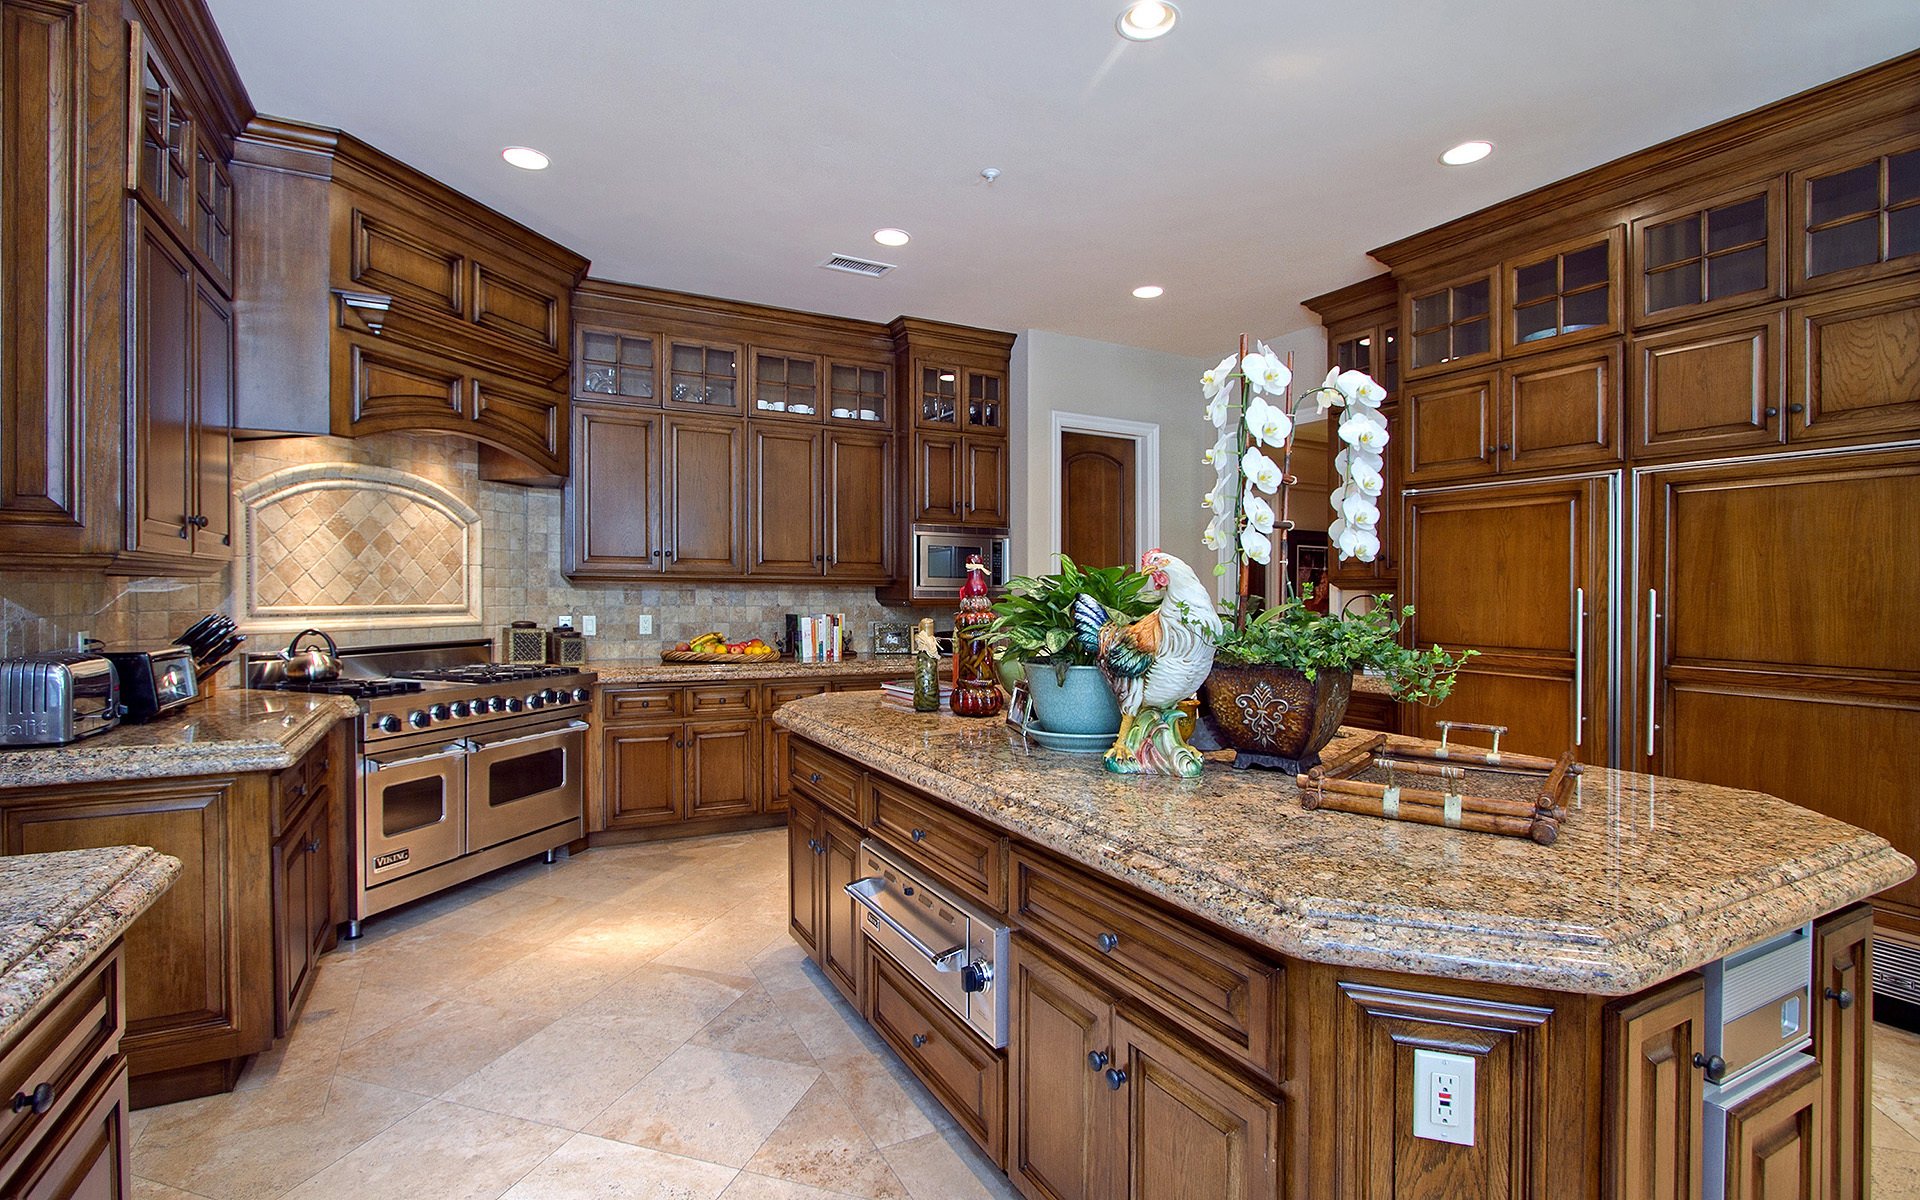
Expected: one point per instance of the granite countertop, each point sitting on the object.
(231, 730)
(882, 666)
(59, 911)
(1650, 877)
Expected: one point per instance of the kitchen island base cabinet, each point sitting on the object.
(75, 1148)
(823, 851)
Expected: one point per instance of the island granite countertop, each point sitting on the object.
(59, 911)
(1650, 877)
(231, 730)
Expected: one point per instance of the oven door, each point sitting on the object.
(414, 814)
(520, 782)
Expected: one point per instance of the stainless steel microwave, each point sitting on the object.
(940, 554)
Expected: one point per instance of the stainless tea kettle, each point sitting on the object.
(311, 664)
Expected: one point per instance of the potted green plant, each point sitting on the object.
(1033, 625)
(1281, 678)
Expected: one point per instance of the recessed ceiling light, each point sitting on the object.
(1145, 20)
(526, 158)
(1467, 152)
(1148, 291)
(891, 237)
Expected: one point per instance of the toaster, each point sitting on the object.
(53, 699)
(153, 682)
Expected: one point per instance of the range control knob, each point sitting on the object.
(458, 708)
(512, 702)
(419, 719)
(439, 712)
(975, 976)
(536, 700)
(387, 723)
(496, 704)
(580, 695)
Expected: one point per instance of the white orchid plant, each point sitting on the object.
(1251, 404)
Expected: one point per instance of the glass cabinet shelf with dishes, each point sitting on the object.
(1450, 324)
(957, 397)
(860, 392)
(785, 385)
(702, 375)
(1564, 293)
(789, 386)
(617, 366)
(1708, 256)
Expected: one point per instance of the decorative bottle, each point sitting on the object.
(926, 668)
(976, 691)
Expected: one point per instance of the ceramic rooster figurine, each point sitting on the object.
(1152, 665)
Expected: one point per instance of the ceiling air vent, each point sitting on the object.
(857, 266)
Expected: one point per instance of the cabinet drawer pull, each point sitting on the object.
(919, 1040)
(1116, 1078)
(814, 777)
(1843, 997)
(39, 1100)
(197, 521)
(1098, 1060)
(919, 835)
(1772, 411)
(313, 847)
(1714, 1066)
(1796, 408)
(1506, 447)
(1108, 942)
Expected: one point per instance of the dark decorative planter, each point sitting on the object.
(1275, 717)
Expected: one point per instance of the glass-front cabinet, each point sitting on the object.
(1707, 257)
(957, 397)
(617, 366)
(1451, 324)
(1564, 293)
(703, 376)
(860, 392)
(1857, 220)
(785, 385)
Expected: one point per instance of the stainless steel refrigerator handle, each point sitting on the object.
(942, 960)
(457, 750)
(569, 727)
(1653, 664)
(1579, 665)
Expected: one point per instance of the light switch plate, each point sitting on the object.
(646, 624)
(589, 625)
(1443, 1095)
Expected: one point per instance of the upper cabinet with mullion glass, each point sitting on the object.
(860, 392)
(1450, 324)
(1706, 257)
(1855, 220)
(213, 215)
(936, 395)
(617, 366)
(1563, 294)
(162, 169)
(785, 385)
(986, 400)
(703, 376)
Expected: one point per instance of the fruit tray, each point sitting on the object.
(705, 656)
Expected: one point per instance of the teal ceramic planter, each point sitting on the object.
(1083, 704)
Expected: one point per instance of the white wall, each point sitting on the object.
(1056, 373)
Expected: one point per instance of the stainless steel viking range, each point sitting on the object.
(466, 765)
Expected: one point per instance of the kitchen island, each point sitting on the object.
(1252, 980)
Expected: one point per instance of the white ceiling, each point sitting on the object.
(1244, 162)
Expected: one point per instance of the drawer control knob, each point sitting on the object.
(1843, 997)
(1107, 942)
(1714, 1066)
(975, 976)
(39, 1100)
(919, 835)
(919, 1040)
(1116, 1079)
(1098, 1060)
(387, 723)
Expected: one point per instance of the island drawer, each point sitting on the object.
(960, 851)
(969, 1078)
(1221, 993)
(63, 1049)
(832, 781)
(640, 704)
(728, 700)
(297, 786)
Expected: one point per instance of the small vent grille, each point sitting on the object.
(857, 266)
(1896, 969)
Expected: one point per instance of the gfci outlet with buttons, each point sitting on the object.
(1443, 1097)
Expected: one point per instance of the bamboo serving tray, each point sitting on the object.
(705, 656)
(1456, 787)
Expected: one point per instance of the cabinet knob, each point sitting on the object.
(1796, 408)
(197, 521)
(1714, 1066)
(919, 835)
(313, 847)
(1772, 411)
(653, 554)
(1506, 447)
(1116, 1078)
(919, 1040)
(1843, 997)
(814, 778)
(1108, 942)
(39, 1100)
(1098, 1060)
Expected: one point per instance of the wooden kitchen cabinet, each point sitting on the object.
(1556, 411)
(1363, 334)
(1060, 1118)
(1655, 1147)
(967, 1076)
(307, 906)
(723, 768)
(1856, 364)
(701, 476)
(1706, 257)
(859, 497)
(938, 475)
(779, 789)
(645, 775)
(1710, 386)
(984, 472)
(823, 856)
(1856, 217)
(1842, 1042)
(1764, 650)
(1521, 573)
(783, 473)
(1773, 1141)
(803, 874)
(77, 1149)
(613, 496)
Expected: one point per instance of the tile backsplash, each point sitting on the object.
(522, 557)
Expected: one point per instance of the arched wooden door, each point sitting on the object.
(1097, 501)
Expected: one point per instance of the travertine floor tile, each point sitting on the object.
(147, 1189)
(566, 1074)
(666, 1002)
(753, 1025)
(446, 1151)
(818, 1146)
(591, 1168)
(948, 1166)
(708, 1104)
(884, 1097)
(437, 1047)
(749, 1186)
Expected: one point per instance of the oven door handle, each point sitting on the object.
(942, 960)
(458, 750)
(569, 727)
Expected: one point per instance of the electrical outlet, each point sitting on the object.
(81, 639)
(589, 625)
(1443, 1095)
(646, 624)
(563, 621)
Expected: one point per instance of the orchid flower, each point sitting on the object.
(1366, 478)
(1347, 459)
(1364, 429)
(1260, 470)
(1268, 423)
(1353, 541)
(1266, 373)
(1220, 454)
(1259, 512)
(1359, 388)
(1354, 504)
(1219, 533)
(1213, 382)
(1220, 406)
(1328, 395)
(1220, 499)
(1255, 546)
